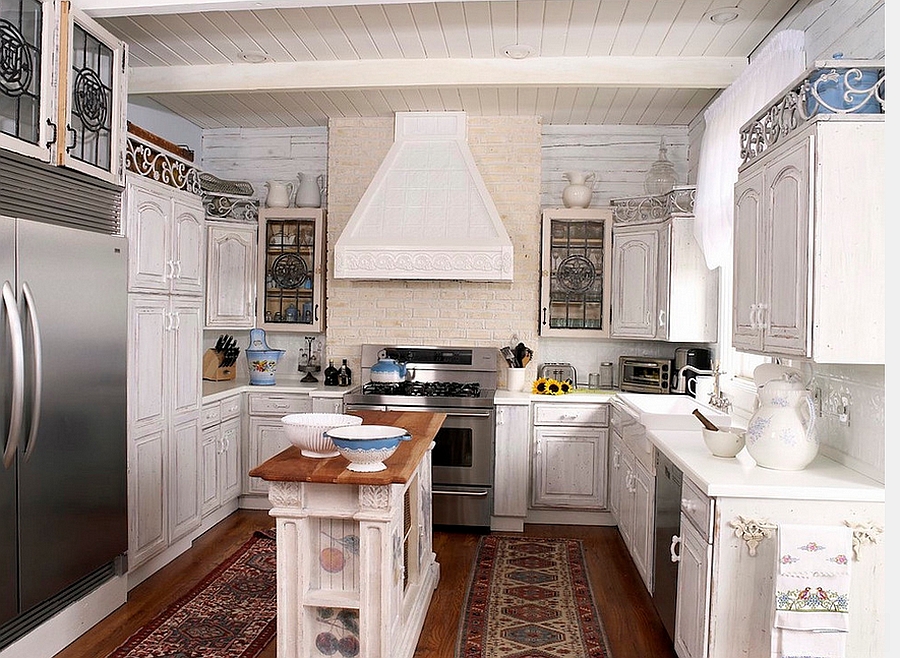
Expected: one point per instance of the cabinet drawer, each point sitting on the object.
(210, 414)
(698, 507)
(230, 407)
(571, 414)
(279, 405)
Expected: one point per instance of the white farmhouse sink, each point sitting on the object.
(671, 412)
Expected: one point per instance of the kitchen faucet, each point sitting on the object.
(717, 399)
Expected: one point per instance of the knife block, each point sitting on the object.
(213, 371)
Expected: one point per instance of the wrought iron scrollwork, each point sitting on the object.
(576, 274)
(145, 160)
(92, 100)
(649, 209)
(16, 62)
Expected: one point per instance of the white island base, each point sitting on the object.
(355, 566)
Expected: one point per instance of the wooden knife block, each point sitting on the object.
(213, 371)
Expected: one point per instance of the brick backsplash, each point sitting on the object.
(507, 152)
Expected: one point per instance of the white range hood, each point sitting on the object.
(427, 213)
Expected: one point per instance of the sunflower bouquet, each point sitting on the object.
(546, 386)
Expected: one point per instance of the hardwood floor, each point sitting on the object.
(632, 625)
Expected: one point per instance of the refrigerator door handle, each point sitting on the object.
(37, 360)
(18, 375)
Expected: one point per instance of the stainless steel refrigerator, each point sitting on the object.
(63, 510)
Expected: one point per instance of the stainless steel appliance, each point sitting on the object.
(63, 512)
(699, 358)
(638, 374)
(561, 372)
(459, 382)
(667, 526)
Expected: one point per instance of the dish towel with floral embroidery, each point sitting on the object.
(812, 592)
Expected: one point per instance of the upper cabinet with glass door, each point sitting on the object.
(62, 87)
(290, 266)
(576, 257)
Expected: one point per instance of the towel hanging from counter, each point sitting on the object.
(812, 592)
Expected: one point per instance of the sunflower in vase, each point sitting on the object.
(547, 386)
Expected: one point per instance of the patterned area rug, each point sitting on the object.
(229, 614)
(530, 598)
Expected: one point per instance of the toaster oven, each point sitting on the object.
(639, 374)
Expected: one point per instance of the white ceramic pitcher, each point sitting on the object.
(782, 433)
(309, 193)
(278, 194)
(577, 194)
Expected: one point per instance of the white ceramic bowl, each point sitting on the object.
(367, 446)
(307, 431)
(727, 442)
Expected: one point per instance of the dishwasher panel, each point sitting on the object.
(667, 526)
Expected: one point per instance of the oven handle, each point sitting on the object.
(467, 414)
(476, 494)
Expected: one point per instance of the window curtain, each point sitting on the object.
(776, 66)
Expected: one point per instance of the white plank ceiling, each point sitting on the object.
(591, 62)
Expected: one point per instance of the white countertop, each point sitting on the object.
(740, 477)
(503, 396)
(213, 391)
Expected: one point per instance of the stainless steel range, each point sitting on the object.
(459, 382)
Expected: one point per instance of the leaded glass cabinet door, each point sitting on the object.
(291, 244)
(27, 57)
(92, 139)
(576, 260)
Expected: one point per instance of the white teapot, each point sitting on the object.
(782, 433)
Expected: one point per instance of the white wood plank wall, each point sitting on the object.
(619, 155)
(258, 155)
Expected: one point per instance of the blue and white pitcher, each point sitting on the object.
(262, 359)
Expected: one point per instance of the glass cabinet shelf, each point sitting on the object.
(575, 264)
(291, 246)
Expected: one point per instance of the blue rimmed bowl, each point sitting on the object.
(367, 446)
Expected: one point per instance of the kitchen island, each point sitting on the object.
(356, 569)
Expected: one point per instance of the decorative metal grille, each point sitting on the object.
(92, 71)
(577, 251)
(833, 87)
(144, 159)
(20, 69)
(654, 208)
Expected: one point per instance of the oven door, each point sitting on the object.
(462, 467)
(463, 452)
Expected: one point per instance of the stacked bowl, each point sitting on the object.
(307, 431)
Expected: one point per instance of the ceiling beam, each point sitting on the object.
(114, 8)
(634, 72)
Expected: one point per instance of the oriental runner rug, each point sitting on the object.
(530, 598)
(229, 614)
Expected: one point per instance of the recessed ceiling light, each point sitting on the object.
(724, 15)
(255, 56)
(518, 51)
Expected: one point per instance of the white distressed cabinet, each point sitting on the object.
(511, 448)
(632, 474)
(569, 455)
(575, 272)
(72, 110)
(809, 257)
(661, 287)
(221, 456)
(166, 235)
(290, 269)
(725, 592)
(230, 275)
(164, 393)
(266, 436)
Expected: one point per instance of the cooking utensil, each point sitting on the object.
(520, 354)
(220, 343)
(508, 355)
(707, 423)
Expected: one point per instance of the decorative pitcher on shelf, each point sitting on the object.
(278, 194)
(309, 192)
(577, 194)
(781, 434)
(262, 359)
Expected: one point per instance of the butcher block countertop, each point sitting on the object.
(290, 466)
